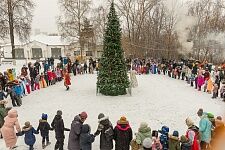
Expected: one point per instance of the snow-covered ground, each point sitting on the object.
(158, 100)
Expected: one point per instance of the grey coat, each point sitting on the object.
(74, 136)
(105, 129)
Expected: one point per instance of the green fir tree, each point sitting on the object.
(112, 78)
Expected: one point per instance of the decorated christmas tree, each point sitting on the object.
(112, 78)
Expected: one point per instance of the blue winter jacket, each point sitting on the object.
(29, 135)
(205, 127)
(18, 90)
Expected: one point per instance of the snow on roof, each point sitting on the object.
(49, 40)
(42, 38)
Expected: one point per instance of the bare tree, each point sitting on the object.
(70, 22)
(16, 18)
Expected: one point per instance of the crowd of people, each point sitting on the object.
(209, 135)
(203, 76)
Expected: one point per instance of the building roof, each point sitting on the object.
(42, 38)
(49, 40)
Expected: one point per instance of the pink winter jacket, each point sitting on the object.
(156, 144)
(8, 129)
(201, 80)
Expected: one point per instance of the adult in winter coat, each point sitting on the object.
(8, 129)
(74, 136)
(105, 129)
(86, 139)
(205, 127)
(29, 132)
(122, 134)
(144, 131)
(218, 134)
(58, 125)
(174, 142)
(192, 134)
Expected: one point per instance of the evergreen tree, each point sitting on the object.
(112, 78)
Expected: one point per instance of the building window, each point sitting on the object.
(19, 53)
(76, 53)
(88, 53)
(56, 52)
(99, 54)
(37, 53)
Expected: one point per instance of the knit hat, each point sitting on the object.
(44, 116)
(176, 133)
(219, 118)
(200, 112)
(59, 112)
(143, 125)
(123, 120)
(183, 139)
(147, 143)
(27, 124)
(189, 122)
(83, 115)
(101, 115)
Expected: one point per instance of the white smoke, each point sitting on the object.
(184, 23)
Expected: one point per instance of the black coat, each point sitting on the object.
(44, 127)
(122, 136)
(106, 138)
(86, 139)
(58, 125)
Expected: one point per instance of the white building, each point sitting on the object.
(39, 47)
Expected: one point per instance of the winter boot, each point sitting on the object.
(43, 145)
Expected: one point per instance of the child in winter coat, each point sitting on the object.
(156, 145)
(86, 139)
(44, 128)
(67, 79)
(185, 143)
(49, 74)
(164, 137)
(174, 142)
(144, 131)
(2, 94)
(8, 129)
(215, 90)
(29, 132)
(192, 134)
(147, 144)
(200, 81)
(36, 82)
(222, 91)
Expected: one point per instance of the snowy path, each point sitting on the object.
(158, 100)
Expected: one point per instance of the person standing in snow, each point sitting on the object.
(105, 129)
(144, 131)
(164, 137)
(58, 125)
(86, 139)
(205, 127)
(74, 135)
(174, 142)
(66, 79)
(147, 144)
(192, 134)
(8, 129)
(122, 134)
(44, 127)
(29, 132)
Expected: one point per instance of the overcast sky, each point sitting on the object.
(46, 11)
(45, 15)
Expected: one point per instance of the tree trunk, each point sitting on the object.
(11, 27)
